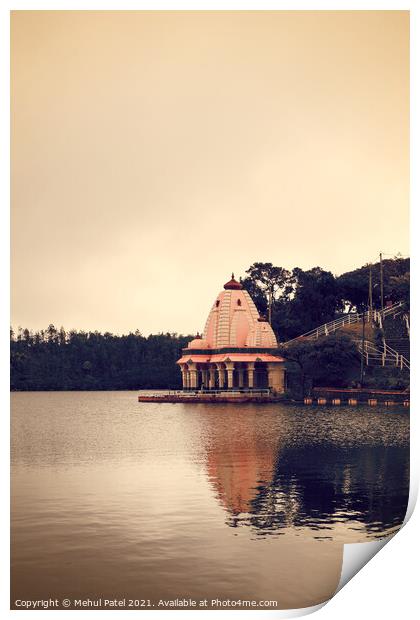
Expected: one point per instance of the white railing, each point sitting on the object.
(384, 354)
(407, 323)
(391, 309)
(375, 316)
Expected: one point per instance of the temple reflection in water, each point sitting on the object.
(299, 481)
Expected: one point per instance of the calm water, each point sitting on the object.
(115, 498)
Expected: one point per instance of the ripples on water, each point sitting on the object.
(160, 501)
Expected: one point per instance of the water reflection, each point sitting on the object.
(111, 497)
(304, 476)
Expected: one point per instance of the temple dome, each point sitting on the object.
(234, 321)
(198, 343)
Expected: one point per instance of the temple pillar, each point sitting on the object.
(193, 376)
(221, 373)
(212, 378)
(184, 372)
(205, 378)
(270, 373)
(276, 374)
(241, 372)
(229, 369)
(250, 370)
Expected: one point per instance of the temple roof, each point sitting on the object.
(204, 358)
(232, 284)
(234, 321)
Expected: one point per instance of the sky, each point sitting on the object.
(153, 153)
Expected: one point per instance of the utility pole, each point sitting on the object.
(362, 359)
(370, 291)
(382, 281)
(270, 301)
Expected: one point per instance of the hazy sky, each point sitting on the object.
(153, 153)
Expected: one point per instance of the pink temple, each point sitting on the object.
(238, 350)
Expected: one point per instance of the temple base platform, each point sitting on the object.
(214, 396)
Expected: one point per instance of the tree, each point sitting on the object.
(315, 301)
(267, 283)
(329, 361)
(56, 360)
(257, 294)
(398, 288)
(354, 285)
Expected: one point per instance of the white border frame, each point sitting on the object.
(386, 587)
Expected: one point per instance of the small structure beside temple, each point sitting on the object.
(235, 360)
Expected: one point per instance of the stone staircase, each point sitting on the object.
(394, 350)
(345, 321)
(382, 355)
(396, 333)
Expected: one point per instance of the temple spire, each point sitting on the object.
(233, 284)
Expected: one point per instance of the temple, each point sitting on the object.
(237, 352)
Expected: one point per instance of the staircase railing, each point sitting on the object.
(351, 318)
(407, 323)
(372, 353)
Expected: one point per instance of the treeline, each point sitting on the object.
(58, 360)
(297, 300)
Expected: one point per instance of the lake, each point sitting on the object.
(152, 502)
